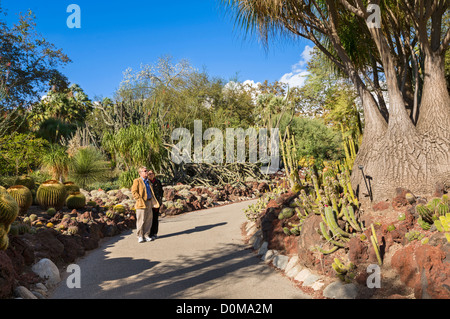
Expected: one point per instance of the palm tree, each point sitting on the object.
(406, 145)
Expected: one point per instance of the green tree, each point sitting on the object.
(405, 145)
(20, 153)
(32, 61)
(66, 104)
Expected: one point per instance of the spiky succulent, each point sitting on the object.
(51, 193)
(76, 201)
(9, 209)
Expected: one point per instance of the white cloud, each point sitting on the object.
(295, 79)
(299, 73)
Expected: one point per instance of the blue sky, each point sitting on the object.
(115, 35)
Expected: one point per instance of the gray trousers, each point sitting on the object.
(144, 218)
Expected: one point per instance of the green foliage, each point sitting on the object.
(53, 129)
(33, 61)
(9, 209)
(136, 145)
(21, 153)
(56, 162)
(313, 138)
(88, 166)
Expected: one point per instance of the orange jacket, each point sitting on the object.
(139, 192)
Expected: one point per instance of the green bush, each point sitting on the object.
(88, 166)
(313, 138)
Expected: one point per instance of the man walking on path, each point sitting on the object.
(158, 190)
(145, 198)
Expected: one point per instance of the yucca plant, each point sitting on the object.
(88, 166)
(56, 161)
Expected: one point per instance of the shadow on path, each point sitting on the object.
(193, 230)
(185, 277)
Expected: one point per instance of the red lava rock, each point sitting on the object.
(357, 251)
(381, 206)
(7, 275)
(425, 268)
(400, 201)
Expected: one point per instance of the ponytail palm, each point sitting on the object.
(56, 161)
(136, 145)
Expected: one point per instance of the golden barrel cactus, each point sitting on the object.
(76, 200)
(23, 197)
(51, 193)
(9, 209)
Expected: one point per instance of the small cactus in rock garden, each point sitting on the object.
(76, 200)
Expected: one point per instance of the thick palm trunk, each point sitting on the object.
(416, 158)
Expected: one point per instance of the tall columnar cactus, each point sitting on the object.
(51, 193)
(23, 197)
(76, 200)
(290, 160)
(9, 209)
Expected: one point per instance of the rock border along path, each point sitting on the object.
(317, 285)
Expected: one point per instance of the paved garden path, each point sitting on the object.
(200, 254)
